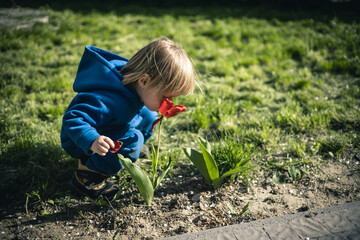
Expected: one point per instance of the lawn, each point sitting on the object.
(274, 83)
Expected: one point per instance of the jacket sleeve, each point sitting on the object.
(84, 115)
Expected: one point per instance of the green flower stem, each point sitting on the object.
(158, 149)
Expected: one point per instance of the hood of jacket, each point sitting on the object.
(99, 70)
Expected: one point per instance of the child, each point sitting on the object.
(116, 100)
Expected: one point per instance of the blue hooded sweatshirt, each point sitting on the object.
(103, 104)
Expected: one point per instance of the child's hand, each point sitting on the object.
(101, 145)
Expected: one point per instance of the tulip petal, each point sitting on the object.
(118, 145)
(175, 111)
(168, 109)
(165, 106)
(154, 123)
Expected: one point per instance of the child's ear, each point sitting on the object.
(144, 80)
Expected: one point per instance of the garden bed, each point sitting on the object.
(182, 204)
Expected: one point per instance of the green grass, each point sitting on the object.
(285, 85)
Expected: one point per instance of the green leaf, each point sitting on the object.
(232, 209)
(141, 179)
(243, 162)
(292, 172)
(206, 144)
(204, 162)
(217, 182)
(101, 201)
(304, 170)
(276, 177)
(26, 204)
(46, 212)
(276, 163)
(198, 160)
(162, 175)
(244, 209)
(210, 163)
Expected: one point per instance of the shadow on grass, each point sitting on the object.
(323, 10)
(35, 169)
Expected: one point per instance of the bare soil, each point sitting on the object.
(183, 203)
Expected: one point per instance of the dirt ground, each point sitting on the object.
(183, 203)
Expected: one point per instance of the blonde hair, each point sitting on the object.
(169, 67)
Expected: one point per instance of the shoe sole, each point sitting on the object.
(81, 193)
(77, 191)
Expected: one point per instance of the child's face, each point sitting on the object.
(153, 97)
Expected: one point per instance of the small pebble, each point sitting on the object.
(196, 198)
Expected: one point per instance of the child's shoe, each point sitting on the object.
(92, 184)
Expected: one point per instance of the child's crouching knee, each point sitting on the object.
(132, 144)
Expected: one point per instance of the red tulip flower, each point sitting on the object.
(168, 109)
